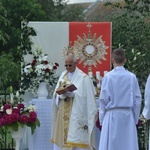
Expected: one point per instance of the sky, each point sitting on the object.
(81, 1)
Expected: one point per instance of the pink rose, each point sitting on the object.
(33, 62)
(15, 117)
(1, 114)
(54, 67)
(2, 122)
(24, 119)
(9, 119)
(33, 117)
(16, 110)
(32, 120)
(32, 114)
(20, 106)
(47, 70)
(6, 106)
(45, 62)
(57, 64)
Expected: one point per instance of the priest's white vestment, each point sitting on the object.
(120, 103)
(82, 115)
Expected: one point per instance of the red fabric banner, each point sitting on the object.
(103, 29)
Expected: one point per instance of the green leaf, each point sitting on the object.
(14, 126)
(37, 122)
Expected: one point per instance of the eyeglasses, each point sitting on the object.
(68, 65)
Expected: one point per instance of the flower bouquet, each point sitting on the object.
(11, 117)
(14, 113)
(39, 70)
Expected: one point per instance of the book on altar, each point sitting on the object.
(67, 88)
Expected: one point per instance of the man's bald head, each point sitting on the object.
(70, 57)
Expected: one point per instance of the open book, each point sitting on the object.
(67, 88)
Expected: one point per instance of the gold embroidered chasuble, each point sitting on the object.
(73, 119)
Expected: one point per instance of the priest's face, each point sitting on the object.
(70, 66)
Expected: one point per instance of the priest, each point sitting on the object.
(74, 113)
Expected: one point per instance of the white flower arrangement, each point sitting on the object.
(39, 70)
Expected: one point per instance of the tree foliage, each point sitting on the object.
(60, 11)
(73, 13)
(12, 14)
(131, 31)
(9, 71)
(16, 11)
(4, 24)
(15, 33)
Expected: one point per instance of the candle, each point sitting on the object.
(98, 78)
(105, 72)
(98, 74)
(90, 74)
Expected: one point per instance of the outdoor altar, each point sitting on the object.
(91, 44)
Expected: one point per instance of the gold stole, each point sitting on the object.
(62, 122)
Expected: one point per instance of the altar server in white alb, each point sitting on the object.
(74, 113)
(120, 103)
(146, 109)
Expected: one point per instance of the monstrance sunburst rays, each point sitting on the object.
(88, 50)
(91, 49)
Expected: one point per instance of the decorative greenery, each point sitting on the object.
(26, 34)
(39, 70)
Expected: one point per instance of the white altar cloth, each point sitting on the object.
(40, 140)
